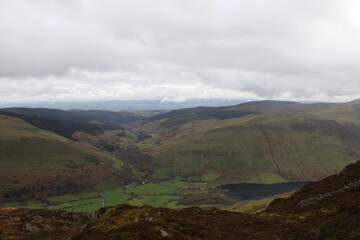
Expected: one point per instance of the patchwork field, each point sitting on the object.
(174, 194)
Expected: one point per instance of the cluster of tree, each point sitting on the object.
(37, 191)
(132, 155)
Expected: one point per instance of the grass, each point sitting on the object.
(30, 156)
(162, 173)
(156, 188)
(131, 134)
(145, 145)
(105, 186)
(155, 201)
(255, 206)
(262, 148)
(208, 177)
(162, 194)
(51, 135)
(115, 196)
(270, 178)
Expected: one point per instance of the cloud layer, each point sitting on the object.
(180, 49)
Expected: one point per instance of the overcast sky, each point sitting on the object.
(179, 49)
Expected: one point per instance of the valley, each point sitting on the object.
(80, 161)
(174, 159)
(179, 120)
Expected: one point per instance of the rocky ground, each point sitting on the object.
(40, 223)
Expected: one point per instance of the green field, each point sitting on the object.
(161, 194)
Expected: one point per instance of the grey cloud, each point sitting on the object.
(299, 50)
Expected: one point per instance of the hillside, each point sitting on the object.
(260, 148)
(82, 116)
(328, 209)
(278, 106)
(241, 110)
(61, 127)
(110, 117)
(38, 163)
(209, 112)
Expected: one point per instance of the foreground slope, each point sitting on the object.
(37, 162)
(39, 224)
(328, 209)
(128, 222)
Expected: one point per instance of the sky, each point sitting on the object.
(62, 50)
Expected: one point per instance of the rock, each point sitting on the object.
(164, 233)
(31, 228)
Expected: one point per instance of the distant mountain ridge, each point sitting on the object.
(356, 101)
(243, 109)
(66, 123)
(83, 116)
(127, 105)
(64, 128)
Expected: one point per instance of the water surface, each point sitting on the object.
(257, 191)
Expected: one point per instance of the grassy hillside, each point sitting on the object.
(340, 112)
(37, 163)
(240, 110)
(328, 209)
(278, 106)
(257, 148)
(205, 112)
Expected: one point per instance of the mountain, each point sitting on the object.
(128, 105)
(179, 117)
(270, 106)
(35, 162)
(271, 142)
(81, 116)
(210, 112)
(110, 117)
(63, 128)
(66, 123)
(356, 101)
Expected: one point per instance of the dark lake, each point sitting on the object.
(256, 191)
